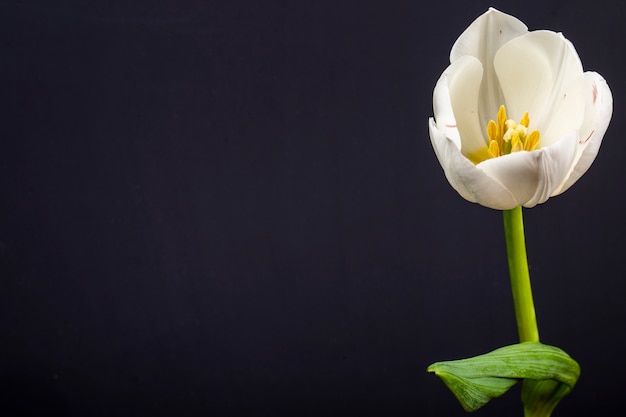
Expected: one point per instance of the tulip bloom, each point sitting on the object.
(516, 120)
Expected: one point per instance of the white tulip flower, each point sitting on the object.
(516, 120)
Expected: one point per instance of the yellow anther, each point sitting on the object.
(494, 149)
(532, 141)
(492, 130)
(501, 119)
(516, 143)
(525, 120)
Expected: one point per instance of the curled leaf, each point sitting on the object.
(475, 381)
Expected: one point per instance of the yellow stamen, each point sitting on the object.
(501, 126)
(494, 149)
(501, 118)
(506, 136)
(525, 120)
(532, 141)
(492, 130)
(516, 143)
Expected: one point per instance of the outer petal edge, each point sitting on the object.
(592, 132)
(533, 176)
(467, 179)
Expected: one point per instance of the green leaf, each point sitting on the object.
(475, 381)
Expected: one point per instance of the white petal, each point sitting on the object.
(533, 176)
(535, 70)
(469, 181)
(568, 113)
(599, 109)
(442, 109)
(486, 35)
(463, 78)
(482, 39)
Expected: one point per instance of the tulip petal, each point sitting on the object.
(442, 109)
(482, 39)
(532, 177)
(568, 113)
(467, 179)
(485, 35)
(534, 71)
(599, 108)
(463, 80)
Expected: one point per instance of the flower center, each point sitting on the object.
(506, 136)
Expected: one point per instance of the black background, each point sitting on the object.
(233, 209)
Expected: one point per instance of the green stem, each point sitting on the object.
(539, 396)
(520, 278)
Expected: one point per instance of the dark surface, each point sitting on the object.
(235, 210)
